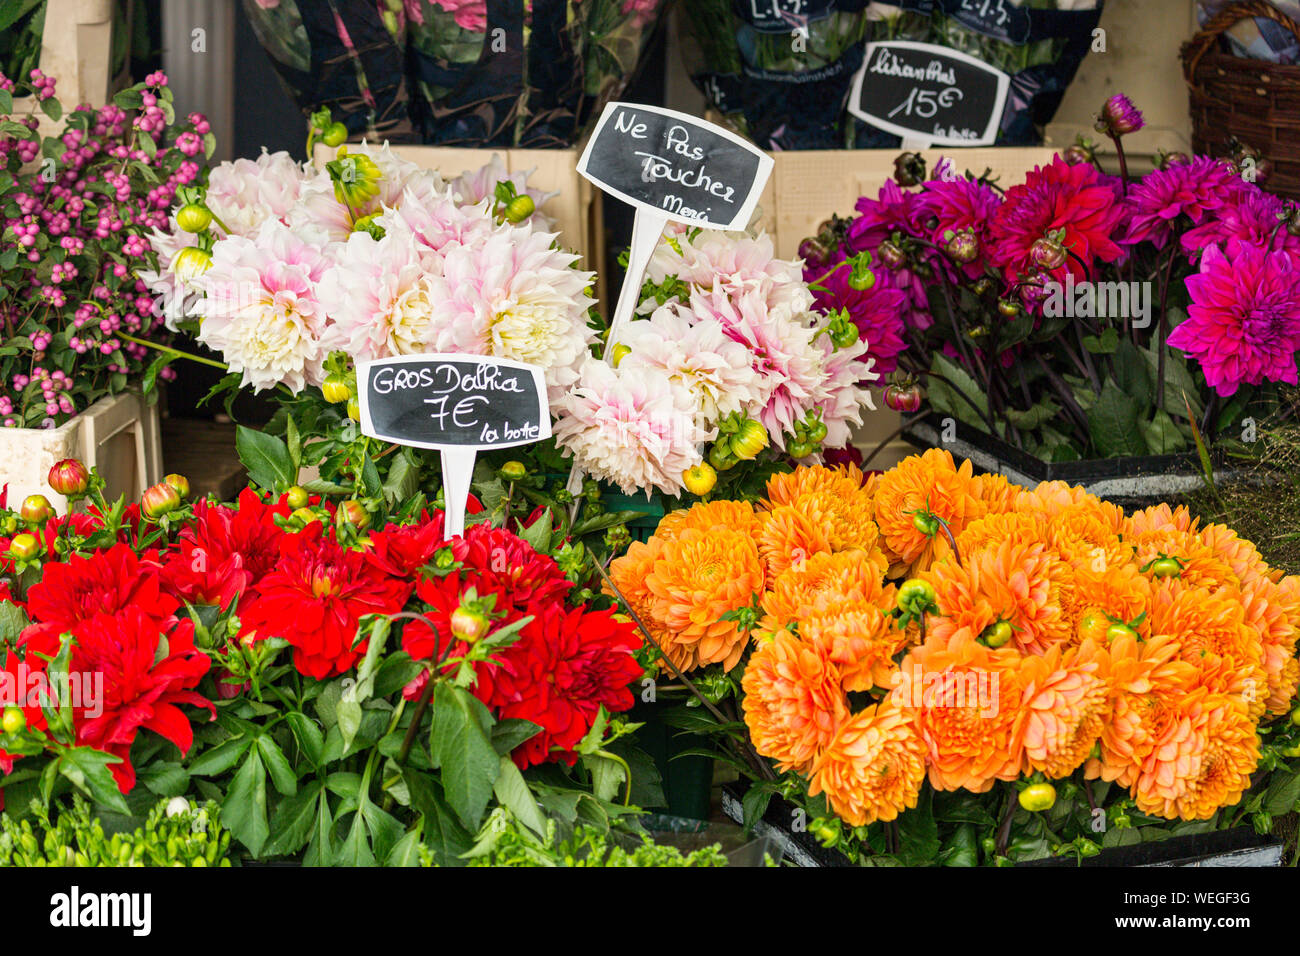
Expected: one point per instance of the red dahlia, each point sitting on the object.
(145, 678)
(401, 550)
(315, 597)
(1077, 199)
(511, 565)
(106, 582)
(564, 666)
(225, 552)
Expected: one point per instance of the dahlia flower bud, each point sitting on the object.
(24, 546)
(158, 500)
(1047, 253)
(69, 477)
(750, 440)
(513, 470)
(469, 624)
(190, 263)
(909, 169)
(700, 479)
(891, 255)
(963, 246)
(353, 513)
(303, 517)
(180, 483)
(1119, 117)
(335, 388)
(36, 508)
(1167, 160)
(297, 497)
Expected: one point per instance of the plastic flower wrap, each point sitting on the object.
(728, 360)
(458, 72)
(1075, 314)
(370, 256)
(930, 626)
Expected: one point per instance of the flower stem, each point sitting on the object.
(175, 352)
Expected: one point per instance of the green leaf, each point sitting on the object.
(321, 850)
(51, 108)
(1178, 380)
(511, 732)
(385, 829)
(460, 745)
(243, 812)
(370, 477)
(1131, 374)
(513, 794)
(606, 776)
(538, 534)
(754, 804)
(266, 458)
(1162, 435)
(961, 848)
(1282, 794)
(396, 672)
(220, 758)
(443, 833)
(1033, 417)
(1103, 345)
(919, 833)
(293, 820)
(406, 852)
(12, 621)
(1113, 423)
(129, 99)
(403, 477)
(355, 850)
(166, 779)
(277, 765)
(945, 397)
(6, 98)
(308, 735)
(87, 769)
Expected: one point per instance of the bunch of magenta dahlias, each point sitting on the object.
(1078, 314)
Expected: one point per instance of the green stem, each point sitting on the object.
(176, 352)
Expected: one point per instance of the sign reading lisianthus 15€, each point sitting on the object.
(457, 404)
(929, 95)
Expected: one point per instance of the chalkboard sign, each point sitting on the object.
(999, 19)
(453, 401)
(675, 166)
(782, 16)
(929, 93)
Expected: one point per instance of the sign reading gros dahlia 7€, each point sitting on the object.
(457, 404)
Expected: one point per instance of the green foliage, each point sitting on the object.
(185, 836)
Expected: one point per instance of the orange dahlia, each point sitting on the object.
(928, 483)
(1202, 760)
(790, 487)
(790, 535)
(1146, 680)
(1200, 565)
(1088, 534)
(696, 579)
(1022, 583)
(793, 702)
(962, 701)
(998, 494)
(1241, 555)
(873, 768)
(859, 639)
(1209, 626)
(704, 516)
(1064, 704)
(629, 573)
(825, 582)
(993, 529)
(1119, 592)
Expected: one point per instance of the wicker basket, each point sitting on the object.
(1253, 100)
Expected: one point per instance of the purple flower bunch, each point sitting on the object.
(76, 213)
(1069, 314)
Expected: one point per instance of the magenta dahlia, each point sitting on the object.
(1199, 190)
(1243, 324)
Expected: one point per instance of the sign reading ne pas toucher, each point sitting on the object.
(929, 95)
(457, 404)
(675, 166)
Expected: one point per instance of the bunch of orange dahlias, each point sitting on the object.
(1051, 634)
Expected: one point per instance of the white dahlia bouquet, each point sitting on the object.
(728, 367)
(291, 272)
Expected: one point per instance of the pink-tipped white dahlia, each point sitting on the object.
(514, 296)
(848, 372)
(479, 185)
(733, 262)
(632, 429)
(379, 296)
(699, 359)
(245, 193)
(260, 311)
(436, 221)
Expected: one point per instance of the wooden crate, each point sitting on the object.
(807, 186)
(577, 210)
(75, 49)
(119, 435)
